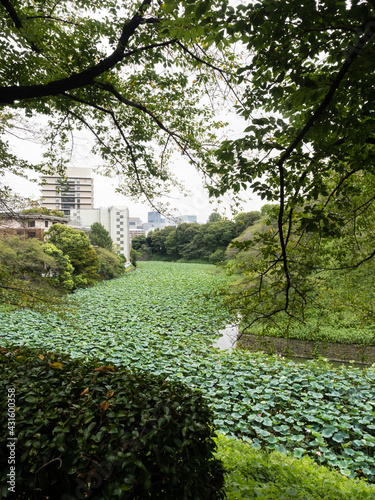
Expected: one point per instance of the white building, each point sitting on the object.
(114, 219)
(74, 192)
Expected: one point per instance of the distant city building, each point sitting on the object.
(114, 219)
(28, 225)
(133, 233)
(155, 221)
(74, 193)
(187, 218)
(154, 218)
(135, 227)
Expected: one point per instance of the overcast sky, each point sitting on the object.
(197, 203)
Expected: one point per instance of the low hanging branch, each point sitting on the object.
(368, 35)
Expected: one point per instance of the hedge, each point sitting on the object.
(101, 432)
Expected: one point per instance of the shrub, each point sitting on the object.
(217, 257)
(111, 264)
(134, 256)
(255, 473)
(104, 433)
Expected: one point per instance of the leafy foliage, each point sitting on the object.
(99, 431)
(32, 273)
(274, 476)
(130, 74)
(191, 241)
(308, 144)
(76, 245)
(246, 219)
(138, 241)
(164, 318)
(134, 256)
(100, 237)
(111, 264)
(214, 217)
(43, 211)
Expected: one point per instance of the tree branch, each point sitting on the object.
(309, 124)
(121, 132)
(8, 95)
(18, 24)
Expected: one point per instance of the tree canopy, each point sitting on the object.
(129, 73)
(33, 274)
(100, 237)
(308, 146)
(76, 245)
(301, 77)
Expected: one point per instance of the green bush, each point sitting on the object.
(256, 474)
(111, 264)
(134, 256)
(85, 430)
(217, 257)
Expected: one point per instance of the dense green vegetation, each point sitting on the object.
(43, 211)
(303, 86)
(341, 309)
(100, 237)
(163, 319)
(91, 430)
(82, 255)
(37, 274)
(32, 273)
(255, 474)
(204, 242)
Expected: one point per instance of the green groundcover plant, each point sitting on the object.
(255, 474)
(164, 319)
(92, 430)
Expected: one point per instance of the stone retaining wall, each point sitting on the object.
(308, 348)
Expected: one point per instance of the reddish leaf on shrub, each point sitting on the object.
(103, 368)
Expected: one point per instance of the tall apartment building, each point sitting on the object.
(114, 219)
(75, 192)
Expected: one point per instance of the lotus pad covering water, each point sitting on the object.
(159, 319)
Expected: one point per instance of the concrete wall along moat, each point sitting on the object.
(308, 349)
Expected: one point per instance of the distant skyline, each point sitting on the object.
(105, 195)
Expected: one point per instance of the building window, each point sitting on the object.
(31, 234)
(31, 223)
(46, 223)
(131, 223)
